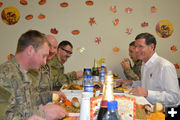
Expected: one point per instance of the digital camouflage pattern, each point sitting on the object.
(134, 73)
(18, 99)
(44, 85)
(57, 73)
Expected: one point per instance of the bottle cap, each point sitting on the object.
(112, 105)
(88, 76)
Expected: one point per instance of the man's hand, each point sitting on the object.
(125, 63)
(79, 74)
(54, 112)
(124, 82)
(35, 117)
(139, 91)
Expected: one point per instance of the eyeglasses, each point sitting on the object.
(67, 51)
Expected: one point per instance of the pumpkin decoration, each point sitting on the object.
(29, 17)
(116, 49)
(54, 31)
(173, 48)
(10, 56)
(23, 2)
(153, 9)
(75, 32)
(89, 3)
(177, 66)
(41, 16)
(113, 9)
(144, 24)
(64, 4)
(116, 22)
(128, 10)
(1, 4)
(42, 2)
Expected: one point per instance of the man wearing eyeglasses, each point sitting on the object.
(56, 64)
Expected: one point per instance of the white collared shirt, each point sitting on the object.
(159, 77)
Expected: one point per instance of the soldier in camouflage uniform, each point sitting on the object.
(19, 99)
(132, 72)
(57, 68)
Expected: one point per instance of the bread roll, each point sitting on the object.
(75, 102)
(158, 107)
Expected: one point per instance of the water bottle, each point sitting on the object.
(88, 86)
(112, 112)
(87, 71)
(102, 74)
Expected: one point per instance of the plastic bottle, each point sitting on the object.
(87, 71)
(88, 87)
(112, 112)
(102, 74)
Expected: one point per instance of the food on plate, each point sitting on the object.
(67, 102)
(156, 116)
(55, 98)
(158, 107)
(69, 107)
(141, 114)
(123, 88)
(148, 109)
(75, 102)
(71, 86)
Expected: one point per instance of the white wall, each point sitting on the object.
(76, 16)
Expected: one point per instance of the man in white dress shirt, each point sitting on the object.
(159, 82)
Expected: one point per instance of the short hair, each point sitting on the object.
(132, 43)
(31, 37)
(149, 38)
(64, 43)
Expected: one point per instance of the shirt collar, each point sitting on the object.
(151, 60)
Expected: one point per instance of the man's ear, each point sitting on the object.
(153, 47)
(30, 50)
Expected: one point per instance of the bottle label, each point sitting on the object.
(102, 77)
(95, 78)
(88, 88)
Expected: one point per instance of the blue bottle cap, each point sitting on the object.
(88, 76)
(112, 105)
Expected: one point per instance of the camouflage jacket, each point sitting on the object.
(134, 73)
(57, 73)
(18, 101)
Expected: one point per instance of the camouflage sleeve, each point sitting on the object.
(5, 97)
(130, 74)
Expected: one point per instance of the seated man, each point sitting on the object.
(159, 82)
(22, 100)
(132, 73)
(58, 76)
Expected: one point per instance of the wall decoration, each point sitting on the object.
(98, 40)
(54, 31)
(113, 9)
(177, 66)
(41, 16)
(75, 32)
(10, 15)
(129, 31)
(81, 49)
(116, 49)
(173, 48)
(29, 17)
(144, 24)
(42, 2)
(10, 56)
(89, 3)
(164, 28)
(64, 4)
(128, 10)
(116, 22)
(23, 2)
(153, 9)
(102, 61)
(1, 4)
(92, 21)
